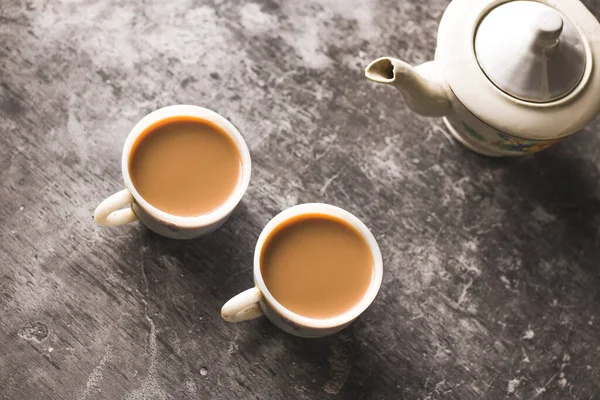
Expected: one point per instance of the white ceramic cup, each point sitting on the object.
(127, 205)
(258, 301)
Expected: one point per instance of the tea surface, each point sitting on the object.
(185, 166)
(316, 266)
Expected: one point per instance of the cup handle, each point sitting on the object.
(243, 307)
(111, 212)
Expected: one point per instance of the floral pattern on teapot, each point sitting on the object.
(484, 139)
(510, 143)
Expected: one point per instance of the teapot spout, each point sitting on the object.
(424, 92)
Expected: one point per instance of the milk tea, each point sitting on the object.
(317, 266)
(185, 166)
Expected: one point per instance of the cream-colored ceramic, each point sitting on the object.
(127, 205)
(258, 301)
(509, 77)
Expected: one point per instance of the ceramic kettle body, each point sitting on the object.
(486, 139)
(497, 111)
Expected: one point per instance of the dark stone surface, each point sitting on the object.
(492, 267)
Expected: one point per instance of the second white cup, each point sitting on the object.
(258, 300)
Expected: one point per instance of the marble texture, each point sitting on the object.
(492, 267)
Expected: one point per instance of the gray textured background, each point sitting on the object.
(492, 271)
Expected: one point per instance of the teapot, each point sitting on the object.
(510, 77)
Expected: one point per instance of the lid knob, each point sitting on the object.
(548, 29)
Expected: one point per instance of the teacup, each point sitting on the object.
(128, 205)
(259, 301)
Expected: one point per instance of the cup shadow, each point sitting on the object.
(340, 366)
(214, 259)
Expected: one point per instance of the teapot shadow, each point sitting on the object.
(554, 207)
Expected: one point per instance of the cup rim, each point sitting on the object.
(186, 110)
(334, 211)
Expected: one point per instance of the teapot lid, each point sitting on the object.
(530, 51)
